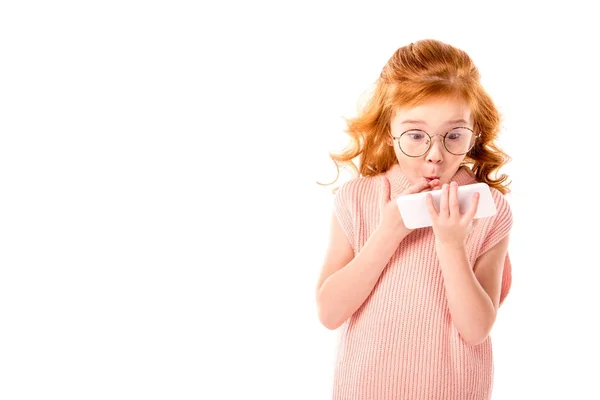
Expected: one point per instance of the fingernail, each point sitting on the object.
(454, 183)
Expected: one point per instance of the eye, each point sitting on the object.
(415, 135)
(459, 134)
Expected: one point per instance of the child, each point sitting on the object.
(416, 307)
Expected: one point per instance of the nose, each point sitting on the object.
(435, 154)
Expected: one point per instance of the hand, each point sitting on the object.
(449, 225)
(390, 214)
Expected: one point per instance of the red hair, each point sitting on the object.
(415, 73)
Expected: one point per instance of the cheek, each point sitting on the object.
(411, 167)
(453, 164)
(456, 161)
(407, 163)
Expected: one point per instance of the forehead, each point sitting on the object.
(433, 113)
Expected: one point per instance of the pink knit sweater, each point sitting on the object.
(401, 343)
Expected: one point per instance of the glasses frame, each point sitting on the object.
(475, 135)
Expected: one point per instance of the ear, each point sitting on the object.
(389, 141)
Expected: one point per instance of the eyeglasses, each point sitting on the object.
(416, 142)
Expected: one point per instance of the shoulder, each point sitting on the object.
(502, 202)
(358, 189)
(501, 223)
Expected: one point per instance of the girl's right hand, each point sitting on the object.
(390, 217)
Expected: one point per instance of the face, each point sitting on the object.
(436, 117)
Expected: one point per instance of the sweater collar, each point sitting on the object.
(399, 182)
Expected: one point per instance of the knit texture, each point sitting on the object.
(401, 343)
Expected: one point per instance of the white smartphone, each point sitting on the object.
(414, 212)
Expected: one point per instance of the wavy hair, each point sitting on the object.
(415, 73)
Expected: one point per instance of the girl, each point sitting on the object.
(416, 307)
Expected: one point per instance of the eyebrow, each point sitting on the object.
(419, 121)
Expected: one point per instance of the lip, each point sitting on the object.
(431, 178)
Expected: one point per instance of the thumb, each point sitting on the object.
(385, 190)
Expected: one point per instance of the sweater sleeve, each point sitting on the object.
(343, 206)
(500, 228)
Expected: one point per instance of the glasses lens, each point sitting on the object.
(459, 141)
(414, 143)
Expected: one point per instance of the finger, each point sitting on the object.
(385, 191)
(453, 199)
(433, 185)
(436, 184)
(444, 201)
(431, 207)
(416, 188)
(470, 214)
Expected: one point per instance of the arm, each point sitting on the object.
(346, 281)
(473, 296)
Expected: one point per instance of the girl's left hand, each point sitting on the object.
(449, 225)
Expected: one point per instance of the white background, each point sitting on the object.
(161, 231)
